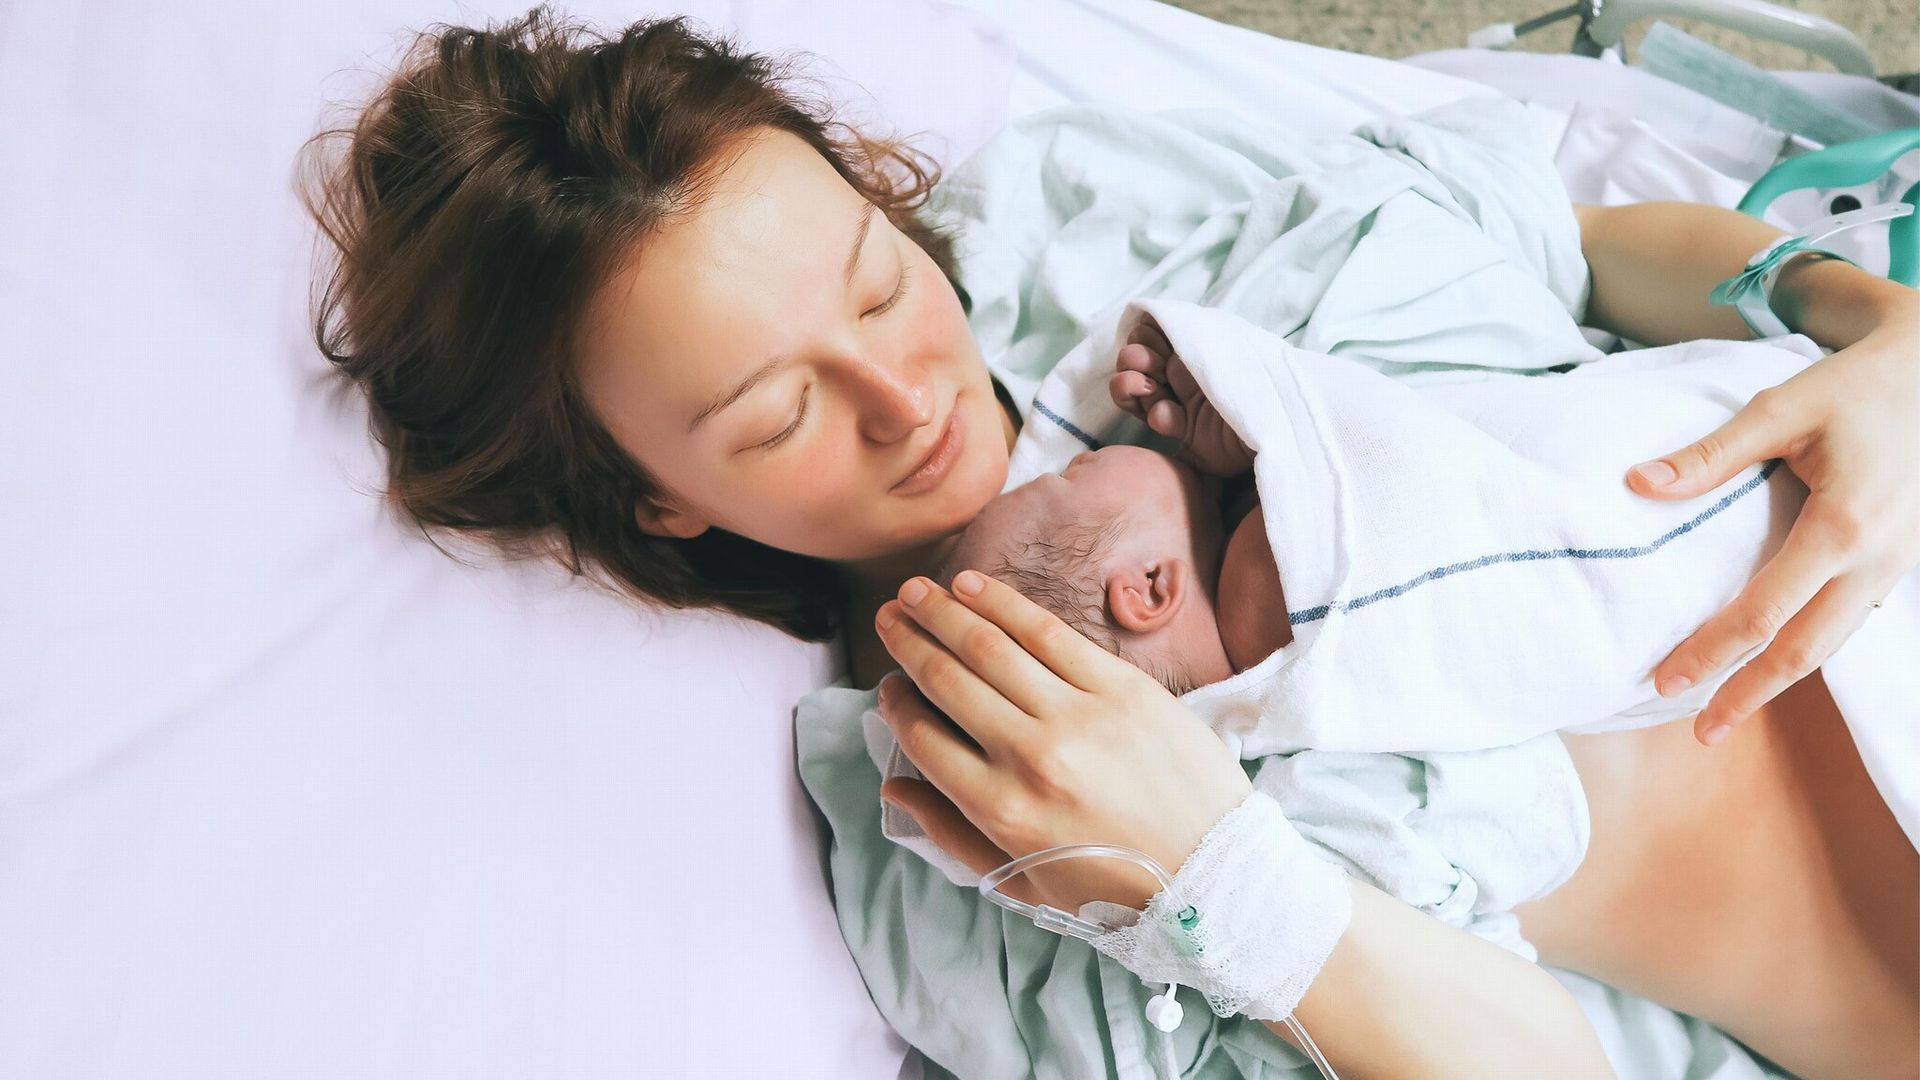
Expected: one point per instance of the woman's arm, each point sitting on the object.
(1848, 427)
(1406, 995)
(1054, 740)
(1653, 265)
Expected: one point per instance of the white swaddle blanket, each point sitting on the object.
(1466, 574)
(1463, 563)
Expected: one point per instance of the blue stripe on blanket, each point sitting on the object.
(1041, 408)
(1313, 614)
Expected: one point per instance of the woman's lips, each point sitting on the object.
(940, 459)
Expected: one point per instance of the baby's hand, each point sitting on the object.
(1152, 383)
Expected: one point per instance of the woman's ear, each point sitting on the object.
(1143, 599)
(665, 519)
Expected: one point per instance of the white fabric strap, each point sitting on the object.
(1262, 914)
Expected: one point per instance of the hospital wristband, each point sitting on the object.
(1750, 292)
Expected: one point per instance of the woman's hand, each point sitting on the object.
(1056, 741)
(1849, 427)
(1052, 740)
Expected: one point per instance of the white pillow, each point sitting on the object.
(284, 791)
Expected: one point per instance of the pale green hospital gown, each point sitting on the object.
(1434, 242)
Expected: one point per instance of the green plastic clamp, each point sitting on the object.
(1846, 165)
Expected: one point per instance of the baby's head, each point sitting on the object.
(1124, 546)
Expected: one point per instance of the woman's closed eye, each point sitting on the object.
(906, 275)
(793, 427)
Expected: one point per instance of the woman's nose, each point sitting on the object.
(893, 403)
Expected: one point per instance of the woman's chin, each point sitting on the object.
(945, 512)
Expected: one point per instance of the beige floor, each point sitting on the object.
(1890, 28)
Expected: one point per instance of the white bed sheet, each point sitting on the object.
(285, 792)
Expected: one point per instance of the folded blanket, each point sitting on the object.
(1463, 564)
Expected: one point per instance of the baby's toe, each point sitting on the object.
(1148, 333)
(1127, 391)
(1139, 358)
(1168, 418)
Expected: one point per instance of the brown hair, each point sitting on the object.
(481, 197)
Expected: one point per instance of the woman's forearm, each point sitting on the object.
(1654, 264)
(1404, 995)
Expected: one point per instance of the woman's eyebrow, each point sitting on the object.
(733, 395)
(766, 369)
(859, 241)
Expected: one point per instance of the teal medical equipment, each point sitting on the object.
(1750, 292)
(1845, 165)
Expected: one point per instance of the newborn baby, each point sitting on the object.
(1126, 544)
(1502, 567)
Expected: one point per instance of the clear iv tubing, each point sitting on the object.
(1052, 918)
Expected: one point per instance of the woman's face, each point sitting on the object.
(783, 360)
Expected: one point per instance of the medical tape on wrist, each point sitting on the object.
(1254, 915)
(1750, 292)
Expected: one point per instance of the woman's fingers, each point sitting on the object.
(1064, 651)
(1810, 557)
(1763, 429)
(976, 708)
(1806, 642)
(935, 746)
(978, 652)
(952, 832)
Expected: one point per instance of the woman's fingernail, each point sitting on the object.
(1673, 684)
(913, 592)
(1717, 734)
(886, 617)
(1657, 473)
(969, 583)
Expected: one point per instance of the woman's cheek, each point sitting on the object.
(824, 489)
(930, 324)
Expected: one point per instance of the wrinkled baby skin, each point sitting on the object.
(1188, 593)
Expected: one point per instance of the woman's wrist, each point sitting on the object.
(1253, 916)
(1838, 304)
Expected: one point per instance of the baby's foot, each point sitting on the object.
(1151, 382)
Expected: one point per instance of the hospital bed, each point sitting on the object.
(285, 790)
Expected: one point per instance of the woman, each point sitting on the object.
(628, 304)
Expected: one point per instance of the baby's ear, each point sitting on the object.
(1143, 597)
(665, 519)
